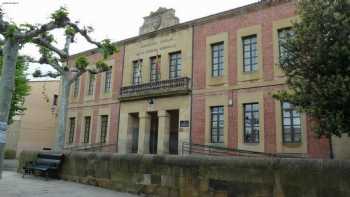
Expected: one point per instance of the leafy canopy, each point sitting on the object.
(318, 64)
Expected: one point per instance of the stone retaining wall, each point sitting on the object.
(207, 176)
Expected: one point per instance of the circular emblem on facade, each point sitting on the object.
(156, 22)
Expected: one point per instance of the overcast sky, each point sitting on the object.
(113, 19)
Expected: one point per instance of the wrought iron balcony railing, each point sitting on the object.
(178, 86)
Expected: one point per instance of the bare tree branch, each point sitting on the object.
(54, 63)
(44, 43)
(84, 33)
(43, 28)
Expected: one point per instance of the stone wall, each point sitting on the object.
(207, 176)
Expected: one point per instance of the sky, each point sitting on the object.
(113, 19)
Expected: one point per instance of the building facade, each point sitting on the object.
(208, 81)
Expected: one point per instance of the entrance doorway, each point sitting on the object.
(134, 126)
(153, 137)
(174, 132)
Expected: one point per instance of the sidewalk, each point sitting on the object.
(13, 185)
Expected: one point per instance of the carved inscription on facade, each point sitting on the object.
(156, 46)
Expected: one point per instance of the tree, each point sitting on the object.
(21, 88)
(317, 65)
(16, 36)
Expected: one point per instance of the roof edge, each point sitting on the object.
(261, 4)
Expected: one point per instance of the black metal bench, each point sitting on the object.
(47, 164)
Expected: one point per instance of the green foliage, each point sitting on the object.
(81, 63)
(21, 88)
(107, 48)
(102, 66)
(10, 31)
(318, 64)
(70, 31)
(10, 154)
(60, 16)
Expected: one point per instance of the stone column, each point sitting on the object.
(144, 133)
(163, 132)
(123, 133)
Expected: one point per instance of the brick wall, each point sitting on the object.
(231, 24)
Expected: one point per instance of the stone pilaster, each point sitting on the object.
(144, 133)
(163, 132)
(123, 134)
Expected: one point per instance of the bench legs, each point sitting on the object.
(26, 171)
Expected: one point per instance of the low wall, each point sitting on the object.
(207, 176)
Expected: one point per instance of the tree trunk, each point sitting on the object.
(7, 85)
(331, 153)
(62, 113)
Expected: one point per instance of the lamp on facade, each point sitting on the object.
(151, 101)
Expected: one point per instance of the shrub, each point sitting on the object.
(10, 154)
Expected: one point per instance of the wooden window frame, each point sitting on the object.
(87, 126)
(217, 117)
(103, 129)
(71, 130)
(295, 135)
(252, 64)
(253, 113)
(217, 59)
(175, 65)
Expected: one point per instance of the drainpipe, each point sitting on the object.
(190, 151)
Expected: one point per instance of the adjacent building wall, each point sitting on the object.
(38, 123)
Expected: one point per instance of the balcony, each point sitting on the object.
(178, 86)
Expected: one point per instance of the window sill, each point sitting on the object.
(252, 143)
(292, 144)
(216, 81)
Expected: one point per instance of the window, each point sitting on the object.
(217, 124)
(251, 123)
(136, 72)
(291, 124)
(175, 65)
(217, 56)
(108, 80)
(55, 99)
(283, 35)
(71, 130)
(250, 56)
(104, 124)
(91, 84)
(155, 68)
(76, 88)
(87, 129)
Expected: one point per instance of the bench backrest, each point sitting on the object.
(50, 159)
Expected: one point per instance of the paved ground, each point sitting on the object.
(13, 185)
(10, 164)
